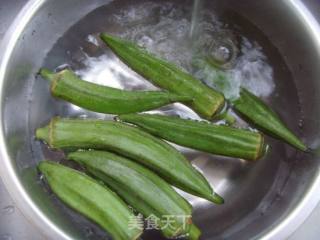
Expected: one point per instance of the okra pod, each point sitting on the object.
(207, 137)
(68, 86)
(147, 211)
(262, 116)
(146, 185)
(206, 101)
(88, 197)
(131, 142)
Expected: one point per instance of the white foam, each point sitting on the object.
(253, 71)
(92, 39)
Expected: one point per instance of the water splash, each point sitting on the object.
(251, 70)
(165, 30)
(168, 36)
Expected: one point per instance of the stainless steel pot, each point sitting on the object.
(265, 200)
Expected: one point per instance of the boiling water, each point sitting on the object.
(178, 33)
(170, 33)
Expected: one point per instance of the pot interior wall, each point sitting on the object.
(258, 195)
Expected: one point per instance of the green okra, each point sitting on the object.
(262, 116)
(68, 86)
(131, 142)
(145, 184)
(91, 199)
(132, 199)
(206, 101)
(148, 212)
(216, 139)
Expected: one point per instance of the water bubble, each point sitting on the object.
(221, 53)
(92, 39)
(253, 71)
(145, 41)
(8, 210)
(224, 53)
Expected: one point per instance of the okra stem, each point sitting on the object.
(47, 74)
(43, 134)
(194, 233)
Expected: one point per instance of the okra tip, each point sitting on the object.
(42, 166)
(194, 233)
(114, 42)
(47, 74)
(225, 116)
(45, 167)
(43, 134)
(74, 156)
(106, 38)
(301, 146)
(216, 198)
(138, 235)
(313, 151)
